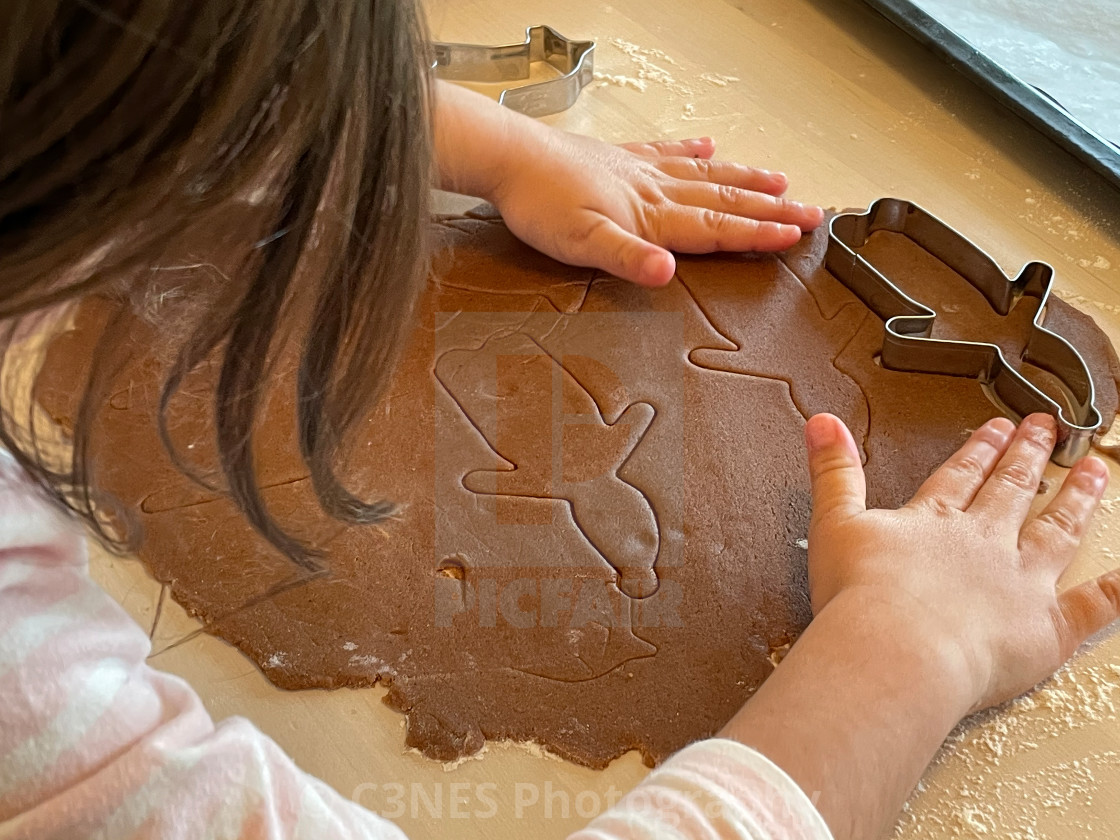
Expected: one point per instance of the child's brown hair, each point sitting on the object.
(120, 119)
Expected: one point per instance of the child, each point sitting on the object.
(122, 119)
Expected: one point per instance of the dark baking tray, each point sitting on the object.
(1033, 105)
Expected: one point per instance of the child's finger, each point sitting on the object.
(835, 470)
(727, 173)
(693, 230)
(1058, 530)
(1013, 484)
(695, 147)
(1087, 609)
(609, 247)
(750, 203)
(956, 482)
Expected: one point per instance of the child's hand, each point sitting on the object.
(923, 614)
(962, 561)
(618, 208)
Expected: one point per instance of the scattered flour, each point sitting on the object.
(1081, 301)
(277, 660)
(367, 660)
(655, 67)
(718, 79)
(448, 766)
(964, 797)
(621, 81)
(650, 66)
(1110, 506)
(534, 749)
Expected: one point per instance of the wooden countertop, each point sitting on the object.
(834, 96)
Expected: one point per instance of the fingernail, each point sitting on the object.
(657, 269)
(1097, 472)
(701, 145)
(1043, 423)
(1001, 428)
(820, 434)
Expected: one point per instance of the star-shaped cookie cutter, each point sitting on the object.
(907, 345)
(476, 63)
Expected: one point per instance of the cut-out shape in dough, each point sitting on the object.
(513, 392)
(755, 316)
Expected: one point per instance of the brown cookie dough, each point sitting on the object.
(602, 489)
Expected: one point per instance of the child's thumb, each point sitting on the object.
(610, 248)
(835, 470)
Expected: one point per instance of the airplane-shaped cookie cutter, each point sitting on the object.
(476, 63)
(907, 344)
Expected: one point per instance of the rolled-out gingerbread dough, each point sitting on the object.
(603, 502)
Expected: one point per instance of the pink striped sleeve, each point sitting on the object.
(94, 743)
(713, 789)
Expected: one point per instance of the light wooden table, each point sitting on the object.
(852, 111)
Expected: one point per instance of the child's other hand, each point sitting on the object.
(617, 208)
(963, 564)
(623, 208)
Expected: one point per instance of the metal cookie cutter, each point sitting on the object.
(907, 344)
(476, 63)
